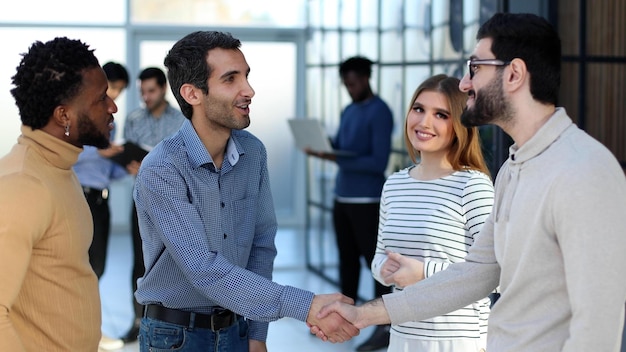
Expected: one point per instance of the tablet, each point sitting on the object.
(131, 152)
(309, 133)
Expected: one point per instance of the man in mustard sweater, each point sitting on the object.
(49, 298)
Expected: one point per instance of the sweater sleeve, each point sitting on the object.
(21, 198)
(590, 223)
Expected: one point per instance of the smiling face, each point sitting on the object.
(429, 124)
(91, 111)
(486, 103)
(230, 93)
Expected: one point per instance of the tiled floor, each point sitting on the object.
(285, 335)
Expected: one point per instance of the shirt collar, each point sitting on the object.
(198, 155)
(545, 136)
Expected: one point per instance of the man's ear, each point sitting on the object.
(517, 74)
(60, 116)
(191, 94)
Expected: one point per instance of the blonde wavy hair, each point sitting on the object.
(465, 151)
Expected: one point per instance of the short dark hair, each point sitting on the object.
(186, 62)
(359, 64)
(153, 72)
(49, 75)
(530, 38)
(115, 72)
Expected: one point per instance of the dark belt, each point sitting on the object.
(217, 321)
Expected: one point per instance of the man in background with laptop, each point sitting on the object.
(365, 131)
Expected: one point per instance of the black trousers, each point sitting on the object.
(99, 205)
(138, 266)
(356, 231)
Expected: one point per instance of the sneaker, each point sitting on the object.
(110, 344)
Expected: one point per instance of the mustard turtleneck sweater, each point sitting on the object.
(49, 299)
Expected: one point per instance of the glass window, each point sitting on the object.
(450, 69)
(471, 16)
(314, 48)
(64, 12)
(331, 47)
(415, 75)
(241, 13)
(391, 46)
(390, 90)
(391, 15)
(442, 45)
(417, 45)
(368, 15)
(315, 13)
(332, 106)
(469, 39)
(314, 90)
(349, 45)
(330, 18)
(349, 14)
(417, 13)
(368, 44)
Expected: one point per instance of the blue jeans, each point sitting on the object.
(159, 336)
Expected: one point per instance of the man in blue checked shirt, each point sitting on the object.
(207, 219)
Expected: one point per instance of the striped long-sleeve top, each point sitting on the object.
(435, 221)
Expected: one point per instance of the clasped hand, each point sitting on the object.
(338, 320)
(331, 327)
(401, 271)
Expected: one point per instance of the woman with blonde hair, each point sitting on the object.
(430, 213)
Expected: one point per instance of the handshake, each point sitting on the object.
(335, 318)
(325, 319)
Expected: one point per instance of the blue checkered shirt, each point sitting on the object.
(146, 130)
(208, 234)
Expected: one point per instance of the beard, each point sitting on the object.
(88, 133)
(221, 114)
(490, 106)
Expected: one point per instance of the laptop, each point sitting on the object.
(309, 133)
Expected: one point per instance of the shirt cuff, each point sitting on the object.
(258, 330)
(396, 304)
(296, 303)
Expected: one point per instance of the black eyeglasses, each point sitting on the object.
(472, 63)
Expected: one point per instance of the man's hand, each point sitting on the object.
(133, 167)
(370, 313)
(401, 271)
(322, 155)
(257, 346)
(334, 328)
(112, 150)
